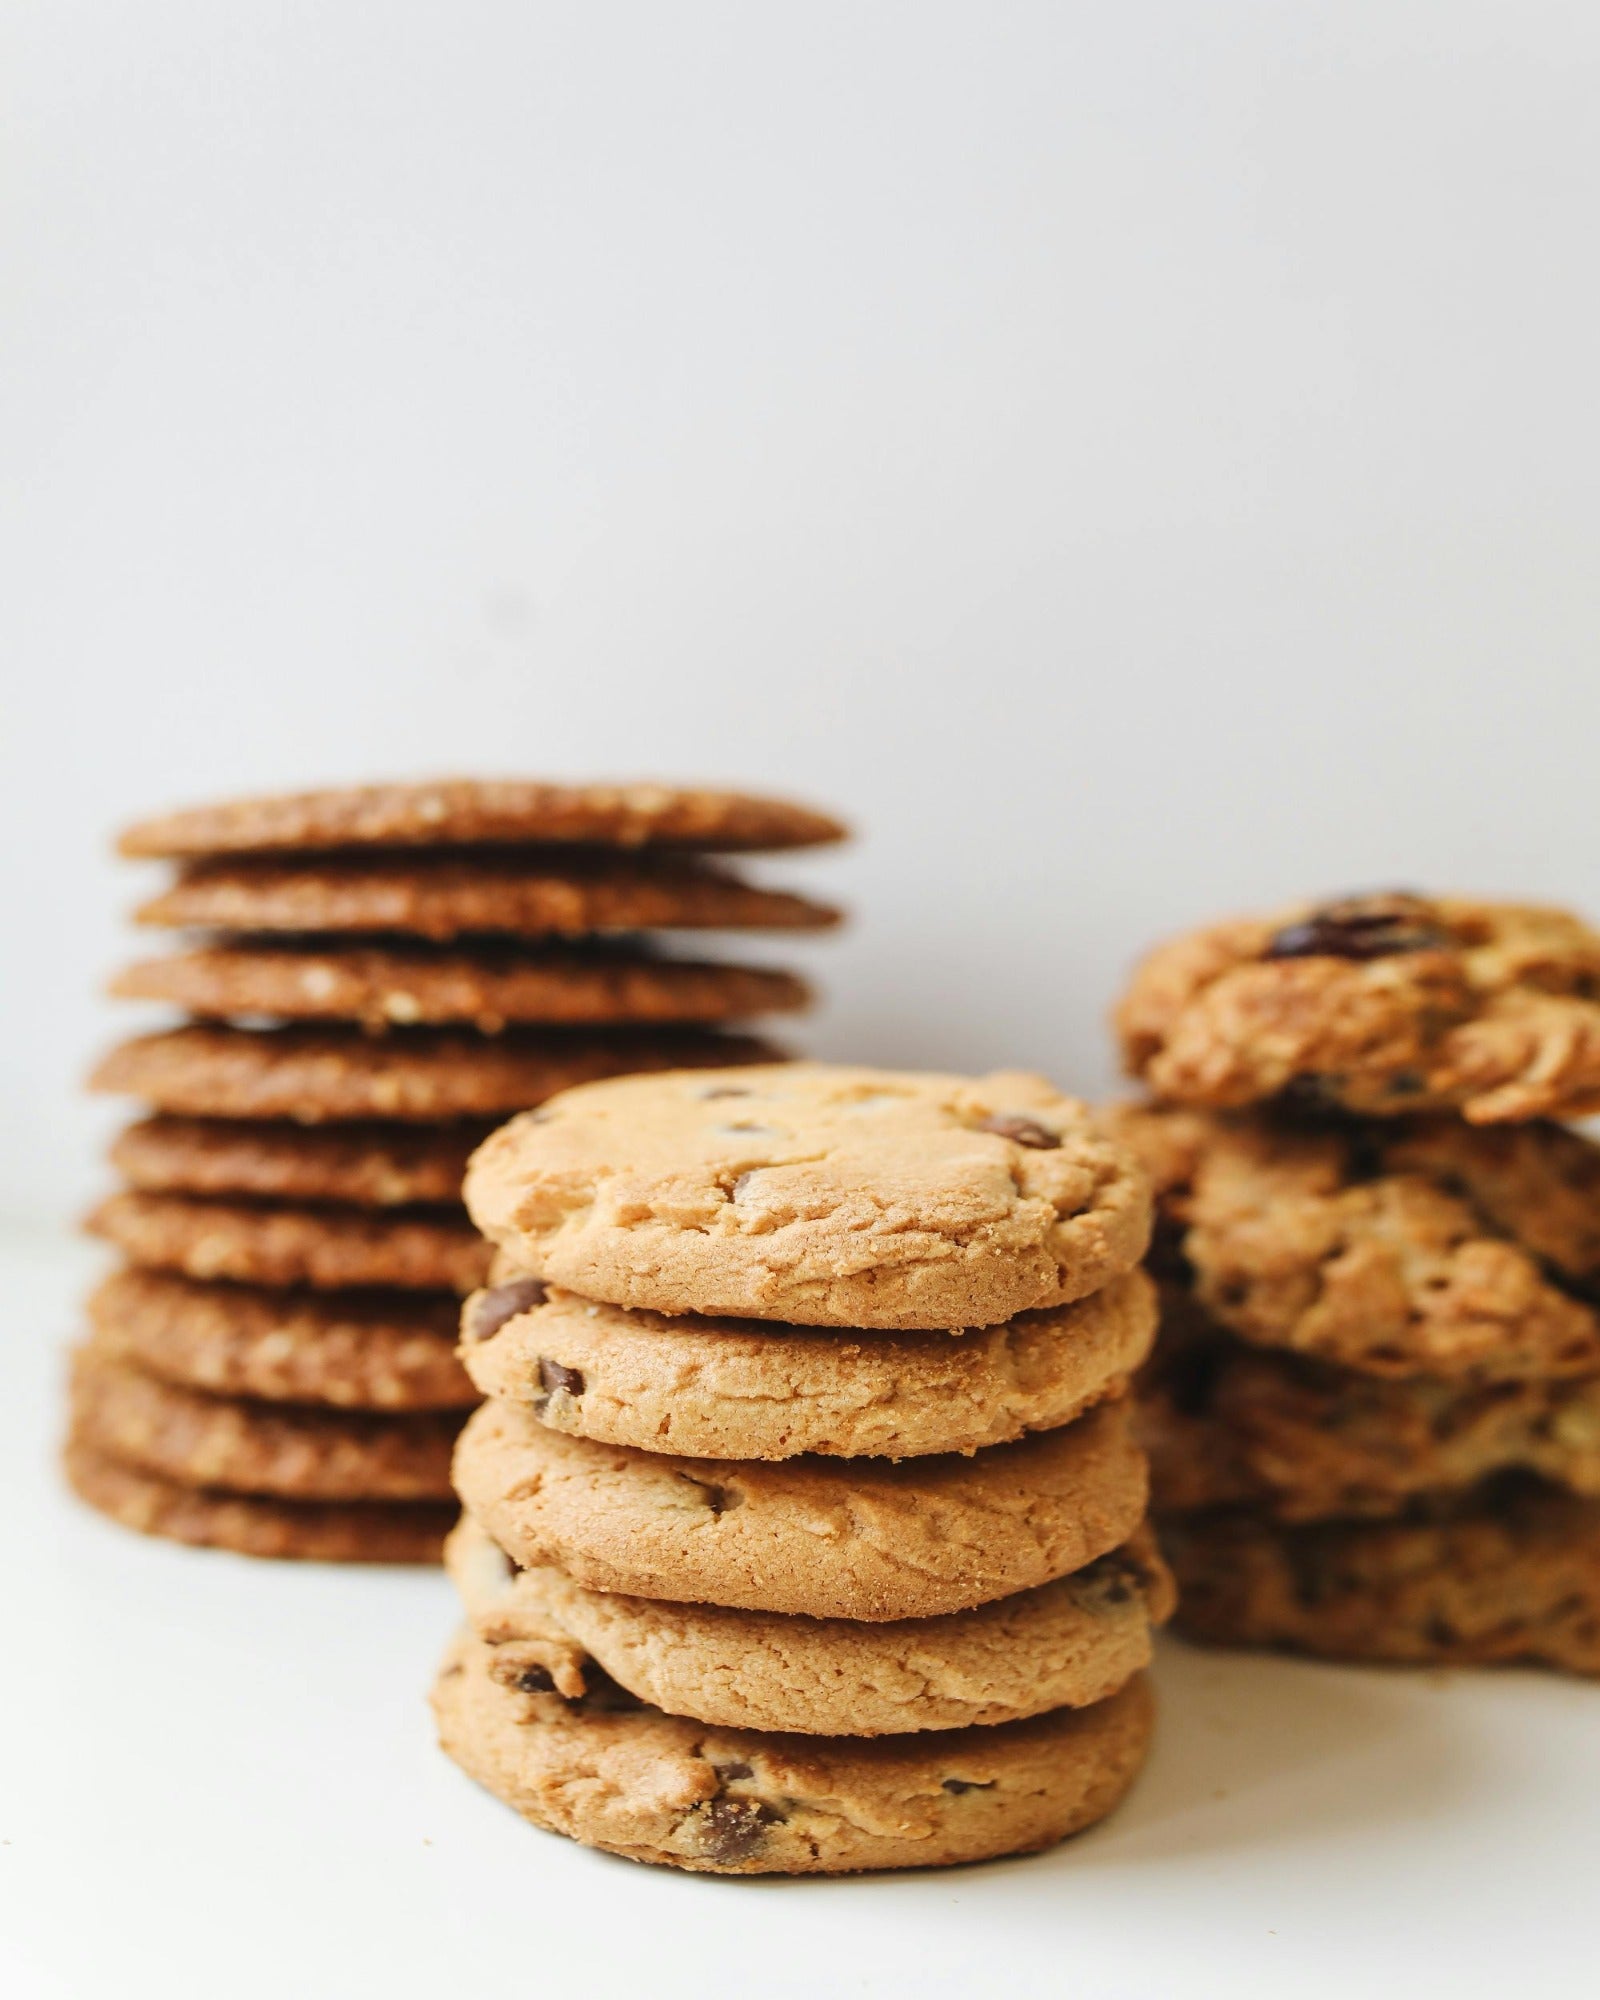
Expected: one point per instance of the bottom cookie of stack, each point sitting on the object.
(912, 1743)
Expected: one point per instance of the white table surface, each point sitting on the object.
(218, 1779)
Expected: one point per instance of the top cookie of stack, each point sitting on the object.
(1375, 1422)
(391, 969)
(803, 1519)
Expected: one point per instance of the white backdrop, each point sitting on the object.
(1136, 461)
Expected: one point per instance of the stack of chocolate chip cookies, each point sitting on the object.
(387, 972)
(804, 1529)
(1374, 1417)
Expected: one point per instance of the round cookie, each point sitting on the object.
(323, 1247)
(828, 1538)
(660, 1788)
(1305, 1442)
(355, 1350)
(444, 896)
(194, 1439)
(1377, 1004)
(424, 1075)
(819, 1195)
(1494, 1579)
(713, 1388)
(372, 1165)
(381, 986)
(1064, 1645)
(285, 1530)
(481, 812)
(1396, 1247)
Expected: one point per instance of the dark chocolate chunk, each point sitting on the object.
(1361, 927)
(536, 1680)
(486, 1312)
(733, 1829)
(554, 1375)
(1021, 1131)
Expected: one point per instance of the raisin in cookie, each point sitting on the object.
(1063, 1645)
(814, 1194)
(1411, 1246)
(828, 1538)
(1493, 1578)
(660, 1788)
(715, 1388)
(1378, 1004)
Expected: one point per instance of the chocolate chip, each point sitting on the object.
(742, 1183)
(1021, 1131)
(536, 1680)
(726, 1090)
(720, 1499)
(486, 1312)
(731, 1773)
(733, 1829)
(1361, 927)
(969, 1784)
(554, 1375)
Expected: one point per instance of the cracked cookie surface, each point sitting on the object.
(1063, 1645)
(1497, 1578)
(815, 1194)
(251, 1525)
(701, 1387)
(286, 1450)
(481, 811)
(1412, 1246)
(355, 1350)
(690, 1795)
(424, 1074)
(829, 1538)
(1378, 1004)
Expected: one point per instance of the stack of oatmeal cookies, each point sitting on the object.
(384, 974)
(1374, 1417)
(804, 1530)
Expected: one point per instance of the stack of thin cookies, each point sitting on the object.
(390, 971)
(804, 1529)
(1374, 1417)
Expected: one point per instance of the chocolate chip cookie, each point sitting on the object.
(827, 1538)
(1377, 1004)
(367, 1164)
(1063, 1645)
(718, 1388)
(660, 1788)
(818, 1195)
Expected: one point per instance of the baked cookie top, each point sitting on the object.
(481, 811)
(617, 1775)
(1396, 1246)
(820, 1195)
(1065, 1645)
(825, 1537)
(1378, 1004)
(721, 1388)
(485, 894)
